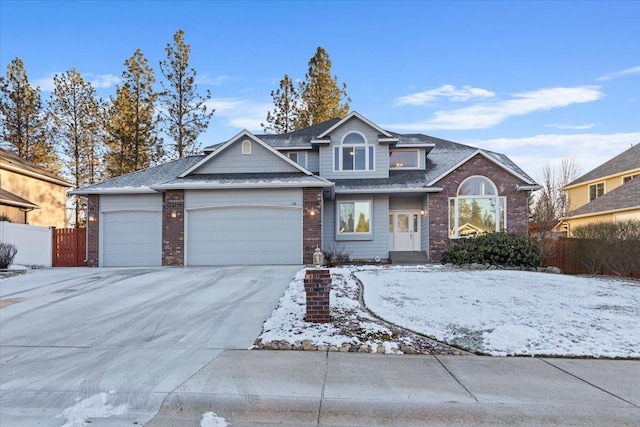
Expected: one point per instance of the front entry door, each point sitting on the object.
(404, 231)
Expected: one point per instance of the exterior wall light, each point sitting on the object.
(312, 212)
(318, 257)
(174, 214)
(423, 212)
(92, 218)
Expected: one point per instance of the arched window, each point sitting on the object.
(246, 147)
(354, 154)
(477, 208)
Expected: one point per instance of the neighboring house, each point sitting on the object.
(608, 193)
(272, 199)
(31, 195)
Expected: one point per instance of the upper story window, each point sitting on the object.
(299, 158)
(353, 154)
(246, 147)
(628, 178)
(595, 191)
(403, 159)
(477, 208)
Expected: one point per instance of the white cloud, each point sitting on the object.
(206, 79)
(240, 113)
(588, 149)
(489, 114)
(45, 83)
(574, 127)
(98, 81)
(610, 76)
(445, 91)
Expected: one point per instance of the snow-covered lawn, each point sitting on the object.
(496, 312)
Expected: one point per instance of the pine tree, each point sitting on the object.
(22, 119)
(320, 93)
(286, 111)
(74, 112)
(131, 124)
(185, 114)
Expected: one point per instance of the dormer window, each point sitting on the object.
(353, 154)
(246, 147)
(403, 159)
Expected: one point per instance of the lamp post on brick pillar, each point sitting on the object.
(317, 286)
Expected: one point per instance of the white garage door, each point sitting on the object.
(251, 235)
(131, 239)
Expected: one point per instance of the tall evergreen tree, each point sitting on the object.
(22, 119)
(130, 121)
(184, 111)
(286, 109)
(74, 112)
(321, 97)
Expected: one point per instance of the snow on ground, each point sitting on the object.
(92, 407)
(211, 419)
(502, 312)
(496, 312)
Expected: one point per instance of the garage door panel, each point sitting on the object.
(244, 235)
(131, 239)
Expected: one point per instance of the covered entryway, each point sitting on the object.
(404, 230)
(245, 235)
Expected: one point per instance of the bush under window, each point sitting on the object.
(500, 248)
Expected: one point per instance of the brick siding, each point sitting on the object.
(173, 228)
(517, 206)
(317, 287)
(311, 224)
(93, 231)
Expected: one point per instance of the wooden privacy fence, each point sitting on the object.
(565, 254)
(69, 247)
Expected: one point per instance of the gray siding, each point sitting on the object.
(381, 153)
(290, 197)
(231, 160)
(313, 161)
(131, 202)
(405, 203)
(360, 249)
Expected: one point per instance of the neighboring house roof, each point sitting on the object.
(624, 197)
(12, 162)
(625, 161)
(10, 199)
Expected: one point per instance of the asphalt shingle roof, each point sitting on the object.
(10, 199)
(9, 158)
(627, 160)
(246, 178)
(626, 196)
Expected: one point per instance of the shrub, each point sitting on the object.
(7, 253)
(4, 217)
(335, 254)
(493, 248)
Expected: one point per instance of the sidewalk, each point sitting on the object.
(317, 388)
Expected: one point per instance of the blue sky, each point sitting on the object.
(538, 81)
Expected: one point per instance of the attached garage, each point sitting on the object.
(243, 227)
(131, 237)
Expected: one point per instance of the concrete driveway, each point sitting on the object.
(93, 340)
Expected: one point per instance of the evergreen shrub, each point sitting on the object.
(7, 253)
(501, 248)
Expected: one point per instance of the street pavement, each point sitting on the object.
(162, 347)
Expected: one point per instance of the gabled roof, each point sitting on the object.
(349, 117)
(624, 197)
(237, 140)
(12, 162)
(628, 160)
(10, 199)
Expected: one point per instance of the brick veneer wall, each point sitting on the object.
(517, 206)
(173, 228)
(311, 224)
(93, 231)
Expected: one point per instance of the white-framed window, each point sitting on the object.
(477, 208)
(299, 157)
(354, 218)
(403, 159)
(246, 147)
(596, 190)
(354, 153)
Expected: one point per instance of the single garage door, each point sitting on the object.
(131, 239)
(252, 235)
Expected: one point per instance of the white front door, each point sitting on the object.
(404, 231)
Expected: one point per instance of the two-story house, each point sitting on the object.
(30, 194)
(608, 193)
(272, 199)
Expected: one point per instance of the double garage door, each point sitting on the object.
(249, 228)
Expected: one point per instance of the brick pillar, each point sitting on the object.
(317, 286)
(93, 230)
(311, 222)
(173, 228)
